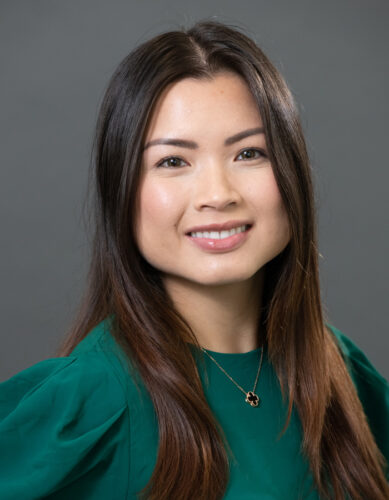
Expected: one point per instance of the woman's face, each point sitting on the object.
(207, 178)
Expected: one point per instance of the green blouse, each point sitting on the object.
(77, 427)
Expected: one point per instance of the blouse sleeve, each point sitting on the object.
(62, 423)
(372, 388)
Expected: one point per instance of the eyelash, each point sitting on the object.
(260, 151)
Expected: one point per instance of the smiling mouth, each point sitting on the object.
(213, 241)
(220, 235)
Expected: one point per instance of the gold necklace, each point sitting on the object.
(251, 397)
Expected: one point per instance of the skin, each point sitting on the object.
(219, 294)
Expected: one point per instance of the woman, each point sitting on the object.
(200, 365)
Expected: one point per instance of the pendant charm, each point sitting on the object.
(252, 398)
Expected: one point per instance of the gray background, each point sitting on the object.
(56, 58)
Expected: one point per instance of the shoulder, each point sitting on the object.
(101, 346)
(62, 420)
(81, 389)
(372, 387)
(85, 374)
(356, 360)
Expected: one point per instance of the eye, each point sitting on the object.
(171, 162)
(174, 161)
(252, 151)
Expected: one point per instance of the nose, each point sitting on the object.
(215, 187)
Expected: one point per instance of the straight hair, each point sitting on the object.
(343, 455)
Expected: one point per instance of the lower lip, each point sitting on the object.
(218, 245)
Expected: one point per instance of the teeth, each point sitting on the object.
(219, 235)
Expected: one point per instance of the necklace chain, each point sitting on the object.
(251, 397)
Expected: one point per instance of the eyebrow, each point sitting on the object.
(183, 143)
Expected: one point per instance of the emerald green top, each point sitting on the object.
(76, 427)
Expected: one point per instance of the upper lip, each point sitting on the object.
(219, 227)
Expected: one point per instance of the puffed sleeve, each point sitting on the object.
(372, 388)
(63, 432)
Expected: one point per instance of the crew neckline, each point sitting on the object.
(247, 353)
(230, 355)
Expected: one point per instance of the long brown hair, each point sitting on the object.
(342, 452)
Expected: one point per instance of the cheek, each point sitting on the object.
(159, 210)
(158, 213)
(280, 219)
(270, 208)
(156, 203)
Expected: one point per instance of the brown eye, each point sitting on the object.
(170, 161)
(252, 154)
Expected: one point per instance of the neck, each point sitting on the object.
(224, 318)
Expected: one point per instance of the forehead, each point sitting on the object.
(190, 104)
